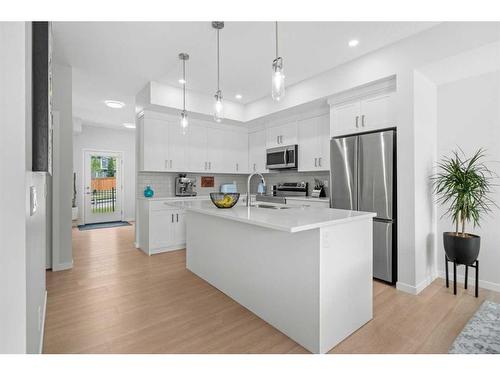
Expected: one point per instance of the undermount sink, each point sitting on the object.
(269, 207)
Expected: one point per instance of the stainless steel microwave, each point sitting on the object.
(284, 157)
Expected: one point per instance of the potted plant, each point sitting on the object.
(464, 185)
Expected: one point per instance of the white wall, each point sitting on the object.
(469, 117)
(14, 120)
(106, 139)
(425, 133)
(62, 182)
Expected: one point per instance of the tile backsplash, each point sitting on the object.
(163, 183)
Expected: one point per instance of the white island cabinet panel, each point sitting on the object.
(306, 271)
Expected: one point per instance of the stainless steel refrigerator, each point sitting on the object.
(363, 178)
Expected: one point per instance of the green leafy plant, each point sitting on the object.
(464, 184)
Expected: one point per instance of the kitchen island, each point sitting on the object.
(306, 271)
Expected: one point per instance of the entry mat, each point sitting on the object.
(481, 334)
(111, 224)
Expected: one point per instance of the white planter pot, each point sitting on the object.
(74, 213)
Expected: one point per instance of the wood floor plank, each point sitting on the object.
(116, 299)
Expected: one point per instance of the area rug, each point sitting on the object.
(481, 334)
(111, 224)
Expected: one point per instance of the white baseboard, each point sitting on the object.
(42, 333)
(62, 266)
(471, 280)
(407, 288)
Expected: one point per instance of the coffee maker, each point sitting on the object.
(184, 186)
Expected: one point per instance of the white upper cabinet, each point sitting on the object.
(314, 144)
(257, 152)
(282, 135)
(366, 109)
(153, 135)
(239, 152)
(197, 149)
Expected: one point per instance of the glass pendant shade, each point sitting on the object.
(184, 121)
(278, 80)
(218, 107)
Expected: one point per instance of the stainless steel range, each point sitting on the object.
(291, 189)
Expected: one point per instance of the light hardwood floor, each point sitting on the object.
(118, 300)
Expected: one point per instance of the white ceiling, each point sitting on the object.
(114, 60)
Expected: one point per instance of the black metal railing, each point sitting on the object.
(103, 200)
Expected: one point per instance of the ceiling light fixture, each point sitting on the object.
(114, 104)
(218, 105)
(129, 125)
(238, 96)
(184, 116)
(278, 77)
(353, 43)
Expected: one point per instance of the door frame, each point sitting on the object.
(122, 191)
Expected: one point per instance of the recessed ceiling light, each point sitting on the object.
(182, 81)
(114, 104)
(129, 125)
(353, 43)
(238, 96)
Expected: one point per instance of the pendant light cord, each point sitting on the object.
(276, 28)
(184, 86)
(218, 61)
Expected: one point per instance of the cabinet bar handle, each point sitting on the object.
(170, 163)
(315, 162)
(357, 121)
(205, 165)
(237, 167)
(177, 217)
(209, 165)
(254, 167)
(319, 162)
(172, 218)
(363, 121)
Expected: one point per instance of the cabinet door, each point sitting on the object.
(323, 134)
(177, 148)
(154, 145)
(309, 151)
(377, 112)
(179, 228)
(273, 137)
(197, 146)
(218, 148)
(257, 152)
(239, 152)
(345, 118)
(161, 224)
(289, 134)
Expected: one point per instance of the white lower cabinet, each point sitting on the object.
(161, 227)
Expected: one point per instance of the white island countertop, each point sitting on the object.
(292, 220)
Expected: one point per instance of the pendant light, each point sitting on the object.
(278, 76)
(184, 116)
(218, 104)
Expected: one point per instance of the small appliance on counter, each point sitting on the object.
(228, 188)
(184, 186)
(319, 189)
(292, 189)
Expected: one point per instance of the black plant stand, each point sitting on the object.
(474, 265)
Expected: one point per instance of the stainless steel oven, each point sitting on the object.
(284, 157)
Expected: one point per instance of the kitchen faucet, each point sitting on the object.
(248, 185)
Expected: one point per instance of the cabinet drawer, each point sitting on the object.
(161, 205)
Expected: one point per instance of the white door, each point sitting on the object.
(103, 192)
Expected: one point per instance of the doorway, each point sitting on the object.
(103, 187)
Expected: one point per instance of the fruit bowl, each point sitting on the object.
(224, 200)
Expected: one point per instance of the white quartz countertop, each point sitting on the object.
(294, 219)
(243, 196)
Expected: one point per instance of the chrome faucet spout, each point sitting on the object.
(248, 185)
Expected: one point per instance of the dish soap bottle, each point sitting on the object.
(148, 192)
